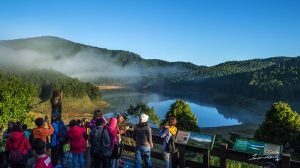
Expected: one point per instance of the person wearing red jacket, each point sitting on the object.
(17, 144)
(78, 143)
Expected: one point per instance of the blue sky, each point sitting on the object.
(204, 32)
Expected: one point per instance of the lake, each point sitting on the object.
(209, 115)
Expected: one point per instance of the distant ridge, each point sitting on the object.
(254, 78)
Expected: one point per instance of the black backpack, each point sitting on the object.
(96, 139)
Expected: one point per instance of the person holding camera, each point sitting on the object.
(168, 133)
(41, 132)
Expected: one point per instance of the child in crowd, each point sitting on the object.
(42, 160)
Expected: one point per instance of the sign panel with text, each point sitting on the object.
(195, 139)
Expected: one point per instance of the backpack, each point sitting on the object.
(96, 140)
(170, 146)
(98, 143)
(15, 156)
(62, 135)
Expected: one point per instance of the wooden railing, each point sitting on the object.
(224, 153)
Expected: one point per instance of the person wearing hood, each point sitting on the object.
(112, 129)
(17, 145)
(57, 140)
(78, 143)
(143, 139)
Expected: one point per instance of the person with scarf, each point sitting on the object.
(168, 133)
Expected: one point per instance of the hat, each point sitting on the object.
(55, 114)
(144, 117)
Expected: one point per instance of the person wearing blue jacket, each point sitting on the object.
(57, 151)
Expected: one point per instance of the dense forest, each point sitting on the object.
(43, 82)
(272, 78)
(277, 81)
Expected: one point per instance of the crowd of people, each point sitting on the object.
(98, 140)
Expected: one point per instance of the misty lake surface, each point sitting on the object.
(209, 115)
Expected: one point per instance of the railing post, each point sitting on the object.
(206, 156)
(223, 151)
(181, 156)
(175, 158)
(285, 162)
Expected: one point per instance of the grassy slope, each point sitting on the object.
(73, 108)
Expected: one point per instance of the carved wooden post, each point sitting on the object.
(56, 101)
(206, 156)
(285, 162)
(223, 155)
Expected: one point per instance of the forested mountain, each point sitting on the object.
(278, 78)
(43, 82)
(89, 63)
(271, 78)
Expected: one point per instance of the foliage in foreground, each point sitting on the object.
(15, 101)
(186, 119)
(281, 126)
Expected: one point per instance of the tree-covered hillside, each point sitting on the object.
(44, 82)
(92, 63)
(277, 81)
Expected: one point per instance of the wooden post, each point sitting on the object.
(206, 156)
(181, 156)
(175, 159)
(285, 162)
(56, 101)
(223, 155)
